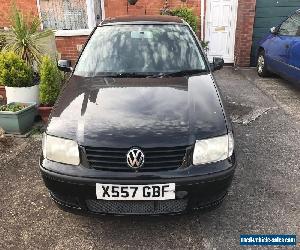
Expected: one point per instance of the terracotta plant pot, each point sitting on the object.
(2, 95)
(44, 113)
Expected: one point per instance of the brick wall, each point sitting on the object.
(67, 46)
(27, 7)
(120, 7)
(244, 32)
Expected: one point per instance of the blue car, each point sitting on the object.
(279, 51)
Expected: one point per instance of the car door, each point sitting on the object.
(294, 52)
(279, 46)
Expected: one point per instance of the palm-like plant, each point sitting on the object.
(25, 37)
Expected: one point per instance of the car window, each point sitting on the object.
(147, 49)
(291, 27)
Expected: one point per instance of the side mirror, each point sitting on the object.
(64, 65)
(274, 30)
(217, 64)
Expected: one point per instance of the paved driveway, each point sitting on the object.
(264, 198)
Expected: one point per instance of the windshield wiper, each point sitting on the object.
(125, 74)
(152, 75)
(180, 73)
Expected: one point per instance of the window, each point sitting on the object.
(291, 27)
(70, 14)
(140, 49)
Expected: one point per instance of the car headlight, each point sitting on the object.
(61, 150)
(213, 149)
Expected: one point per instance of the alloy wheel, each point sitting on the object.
(260, 64)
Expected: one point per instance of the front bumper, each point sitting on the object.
(196, 187)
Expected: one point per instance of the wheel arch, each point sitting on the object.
(260, 49)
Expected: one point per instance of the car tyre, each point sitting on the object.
(261, 65)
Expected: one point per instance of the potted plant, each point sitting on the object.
(17, 118)
(17, 77)
(25, 38)
(50, 84)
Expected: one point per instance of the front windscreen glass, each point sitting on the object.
(140, 50)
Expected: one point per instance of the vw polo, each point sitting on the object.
(140, 127)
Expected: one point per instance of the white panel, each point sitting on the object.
(226, 15)
(215, 10)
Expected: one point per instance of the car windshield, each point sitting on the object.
(139, 50)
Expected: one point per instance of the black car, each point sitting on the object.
(140, 127)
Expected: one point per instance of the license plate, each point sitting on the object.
(135, 192)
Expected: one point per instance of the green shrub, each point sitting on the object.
(14, 72)
(50, 81)
(12, 107)
(205, 45)
(2, 41)
(2, 44)
(187, 15)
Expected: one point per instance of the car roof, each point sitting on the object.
(143, 19)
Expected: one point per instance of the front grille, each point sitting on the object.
(137, 207)
(156, 159)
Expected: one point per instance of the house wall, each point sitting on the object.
(121, 7)
(67, 46)
(244, 27)
(244, 32)
(27, 7)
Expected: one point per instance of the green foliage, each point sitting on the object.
(12, 107)
(187, 15)
(25, 37)
(205, 45)
(14, 72)
(2, 41)
(50, 81)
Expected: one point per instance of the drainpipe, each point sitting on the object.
(202, 19)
